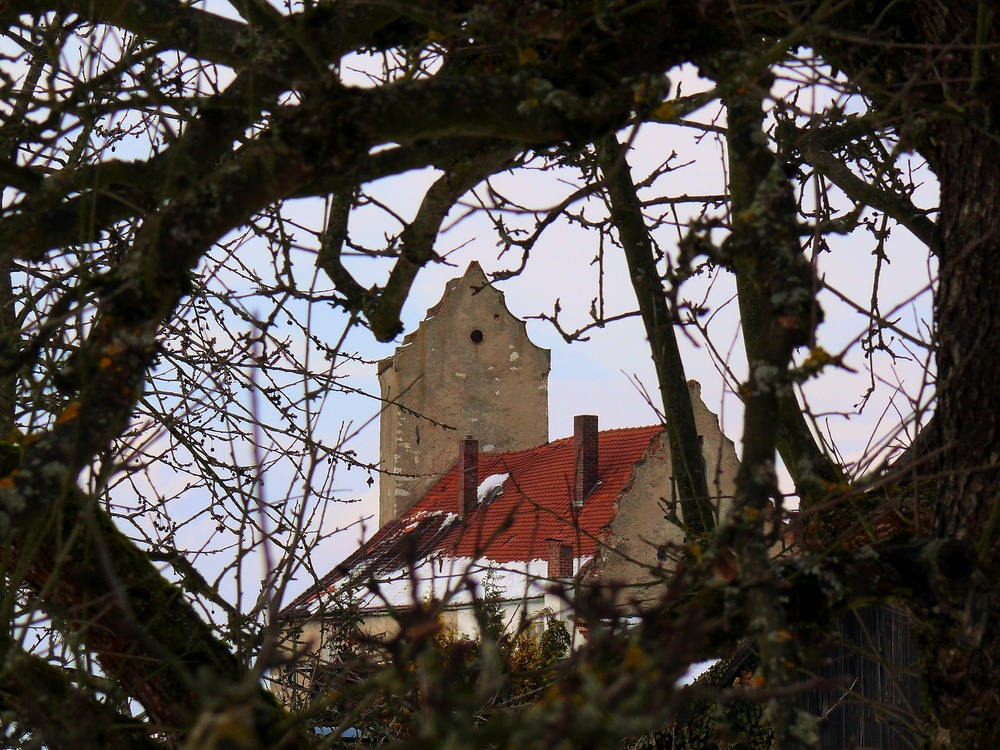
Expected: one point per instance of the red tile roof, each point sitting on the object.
(534, 508)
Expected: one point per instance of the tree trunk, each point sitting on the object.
(686, 458)
(960, 642)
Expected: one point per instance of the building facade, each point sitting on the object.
(468, 369)
(472, 490)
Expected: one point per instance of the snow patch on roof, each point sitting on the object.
(411, 521)
(490, 487)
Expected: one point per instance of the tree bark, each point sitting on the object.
(960, 640)
(811, 469)
(764, 247)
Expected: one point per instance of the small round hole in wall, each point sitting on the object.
(476, 336)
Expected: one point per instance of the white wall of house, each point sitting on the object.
(524, 589)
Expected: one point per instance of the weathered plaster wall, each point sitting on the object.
(460, 619)
(639, 531)
(468, 369)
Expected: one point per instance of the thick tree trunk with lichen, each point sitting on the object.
(961, 639)
(812, 471)
(968, 165)
(764, 245)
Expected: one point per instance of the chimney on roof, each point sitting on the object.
(585, 452)
(468, 475)
(560, 562)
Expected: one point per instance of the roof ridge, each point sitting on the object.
(557, 441)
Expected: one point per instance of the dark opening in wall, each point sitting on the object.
(476, 336)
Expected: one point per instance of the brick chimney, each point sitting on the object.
(560, 562)
(585, 453)
(468, 475)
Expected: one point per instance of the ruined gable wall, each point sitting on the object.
(469, 369)
(639, 529)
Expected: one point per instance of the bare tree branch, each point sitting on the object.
(32, 688)
(685, 449)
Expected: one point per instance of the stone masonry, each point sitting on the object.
(468, 370)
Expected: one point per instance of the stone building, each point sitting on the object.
(471, 486)
(468, 369)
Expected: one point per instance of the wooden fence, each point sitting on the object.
(871, 698)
